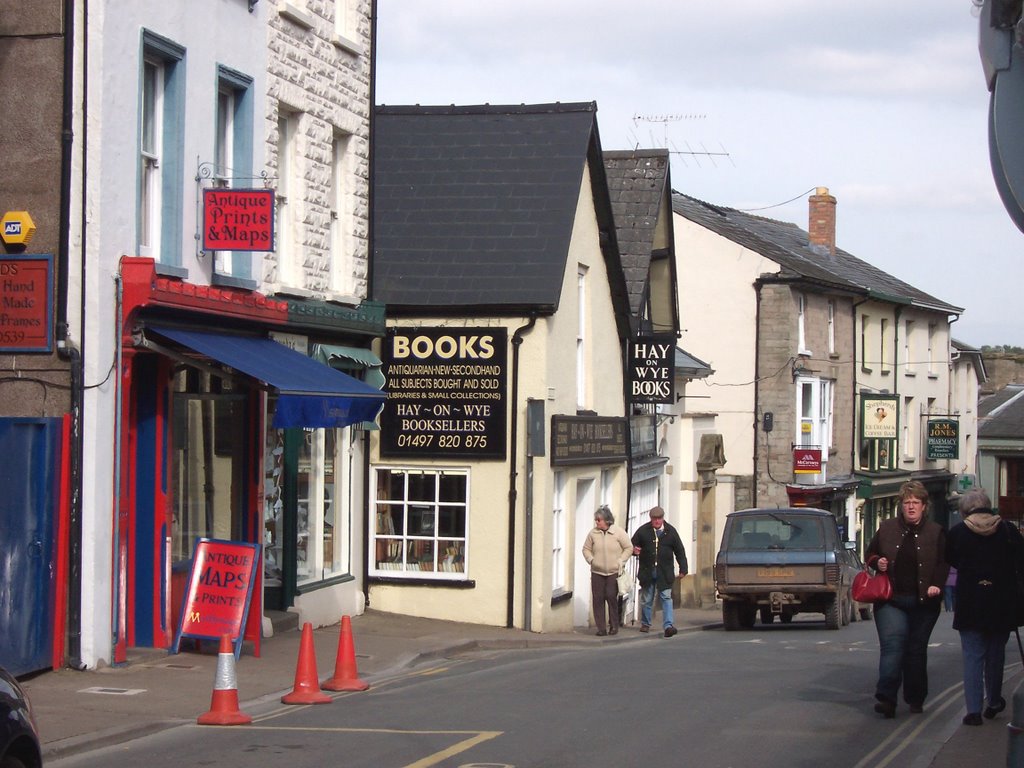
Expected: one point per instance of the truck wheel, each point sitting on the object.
(846, 608)
(766, 615)
(833, 620)
(731, 616)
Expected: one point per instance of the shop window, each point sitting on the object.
(419, 526)
(322, 543)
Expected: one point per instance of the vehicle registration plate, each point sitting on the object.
(775, 572)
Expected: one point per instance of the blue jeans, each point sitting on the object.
(647, 597)
(904, 625)
(984, 655)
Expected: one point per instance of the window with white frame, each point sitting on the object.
(232, 151)
(814, 406)
(161, 147)
(559, 534)
(831, 327)
(931, 348)
(909, 362)
(581, 337)
(801, 325)
(864, 324)
(340, 211)
(286, 228)
(883, 352)
(419, 527)
(909, 428)
(346, 30)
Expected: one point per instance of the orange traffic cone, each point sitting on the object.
(345, 676)
(307, 686)
(224, 704)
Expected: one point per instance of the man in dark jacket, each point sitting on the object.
(988, 554)
(657, 543)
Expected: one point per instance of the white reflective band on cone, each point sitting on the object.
(225, 678)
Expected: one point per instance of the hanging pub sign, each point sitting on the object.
(588, 439)
(879, 417)
(806, 461)
(238, 219)
(26, 303)
(943, 439)
(652, 369)
(220, 587)
(446, 393)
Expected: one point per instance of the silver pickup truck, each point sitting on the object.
(781, 562)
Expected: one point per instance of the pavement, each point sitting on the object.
(78, 711)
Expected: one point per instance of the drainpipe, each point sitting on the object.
(369, 516)
(517, 340)
(857, 361)
(66, 350)
(757, 376)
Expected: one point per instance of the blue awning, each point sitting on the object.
(310, 394)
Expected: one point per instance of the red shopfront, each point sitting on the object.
(198, 379)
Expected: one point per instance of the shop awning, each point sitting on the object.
(310, 394)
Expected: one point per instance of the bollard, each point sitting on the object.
(1015, 731)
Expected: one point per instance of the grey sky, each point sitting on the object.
(881, 101)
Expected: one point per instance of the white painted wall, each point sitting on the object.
(212, 33)
(718, 317)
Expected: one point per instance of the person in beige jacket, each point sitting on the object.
(606, 550)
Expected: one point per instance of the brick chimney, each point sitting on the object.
(822, 225)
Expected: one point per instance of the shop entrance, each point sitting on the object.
(208, 466)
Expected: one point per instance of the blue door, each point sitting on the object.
(29, 475)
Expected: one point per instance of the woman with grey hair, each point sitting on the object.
(988, 554)
(606, 550)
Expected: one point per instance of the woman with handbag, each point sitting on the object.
(911, 550)
(606, 550)
(988, 554)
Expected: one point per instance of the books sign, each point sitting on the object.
(651, 374)
(446, 393)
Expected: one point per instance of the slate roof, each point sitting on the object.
(690, 366)
(788, 246)
(636, 186)
(474, 206)
(1001, 415)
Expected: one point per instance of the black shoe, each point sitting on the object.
(972, 718)
(613, 631)
(916, 709)
(994, 709)
(670, 630)
(886, 708)
(601, 633)
(645, 627)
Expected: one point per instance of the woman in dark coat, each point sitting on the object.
(911, 549)
(987, 553)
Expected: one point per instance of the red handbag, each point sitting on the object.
(871, 589)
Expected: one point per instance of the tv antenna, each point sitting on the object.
(690, 152)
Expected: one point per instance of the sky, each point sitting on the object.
(760, 101)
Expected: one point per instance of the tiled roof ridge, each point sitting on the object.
(557, 107)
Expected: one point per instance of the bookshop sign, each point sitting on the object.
(446, 393)
(588, 439)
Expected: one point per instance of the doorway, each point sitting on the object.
(586, 504)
